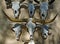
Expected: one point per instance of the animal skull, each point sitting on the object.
(15, 7)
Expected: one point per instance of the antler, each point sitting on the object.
(49, 1)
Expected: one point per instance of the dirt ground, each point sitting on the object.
(7, 36)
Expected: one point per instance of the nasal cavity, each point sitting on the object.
(15, 11)
(30, 12)
(43, 15)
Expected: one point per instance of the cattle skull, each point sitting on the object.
(31, 9)
(31, 27)
(17, 29)
(16, 7)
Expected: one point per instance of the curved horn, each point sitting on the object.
(25, 5)
(52, 19)
(50, 1)
(37, 6)
(45, 22)
(22, 1)
(36, 1)
(15, 20)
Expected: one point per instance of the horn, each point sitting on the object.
(13, 19)
(45, 22)
(52, 19)
(37, 1)
(24, 5)
(50, 1)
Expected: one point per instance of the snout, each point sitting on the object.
(16, 13)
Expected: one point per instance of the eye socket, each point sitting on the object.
(30, 12)
(44, 34)
(15, 11)
(43, 15)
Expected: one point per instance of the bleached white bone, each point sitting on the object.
(15, 7)
(17, 31)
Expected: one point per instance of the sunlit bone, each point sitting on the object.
(44, 10)
(15, 7)
(31, 27)
(31, 9)
(17, 30)
(44, 29)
